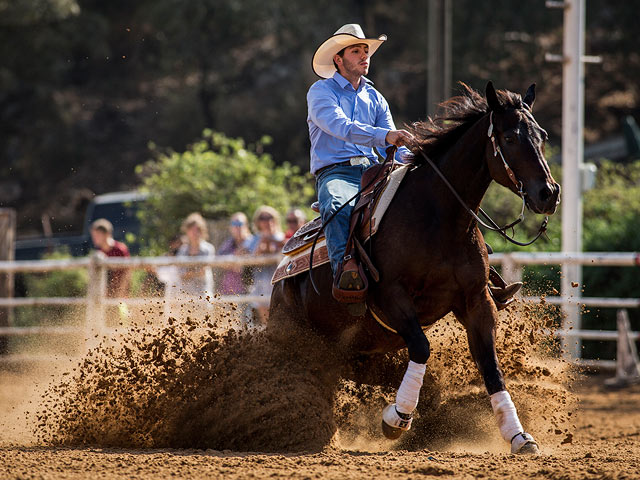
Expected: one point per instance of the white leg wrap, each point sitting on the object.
(409, 391)
(391, 417)
(506, 415)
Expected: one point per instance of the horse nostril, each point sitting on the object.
(546, 192)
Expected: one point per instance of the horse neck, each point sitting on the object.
(464, 166)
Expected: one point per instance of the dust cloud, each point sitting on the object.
(193, 383)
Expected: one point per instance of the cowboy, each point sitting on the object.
(347, 119)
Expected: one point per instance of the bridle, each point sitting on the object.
(492, 225)
(510, 173)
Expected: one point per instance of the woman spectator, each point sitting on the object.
(238, 243)
(268, 239)
(197, 280)
(170, 275)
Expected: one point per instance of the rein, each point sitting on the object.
(390, 154)
(492, 225)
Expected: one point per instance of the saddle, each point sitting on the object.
(383, 181)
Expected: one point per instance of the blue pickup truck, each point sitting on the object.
(119, 208)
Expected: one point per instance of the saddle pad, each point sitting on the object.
(292, 265)
(298, 248)
(383, 202)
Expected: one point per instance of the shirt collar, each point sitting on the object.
(343, 82)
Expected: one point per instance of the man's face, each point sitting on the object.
(355, 60)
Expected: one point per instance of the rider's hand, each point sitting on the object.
(399, 137)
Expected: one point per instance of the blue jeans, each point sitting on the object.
(335, 186)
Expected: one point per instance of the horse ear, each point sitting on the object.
(492, 97)
(530, 96)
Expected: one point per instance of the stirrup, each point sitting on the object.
(503, 296)
(506, 293)
(350, 284)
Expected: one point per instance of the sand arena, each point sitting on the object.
(191, 398)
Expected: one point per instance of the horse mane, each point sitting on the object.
(454, 117)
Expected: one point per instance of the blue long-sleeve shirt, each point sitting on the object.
(345, 123)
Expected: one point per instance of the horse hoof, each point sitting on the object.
(392, 433)
(394, 423)
(529, 448)
(524, 444)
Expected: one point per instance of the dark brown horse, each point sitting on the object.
(431, 254)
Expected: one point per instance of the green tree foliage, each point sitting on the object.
(215, 176)
(85, 84)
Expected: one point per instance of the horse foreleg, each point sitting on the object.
(481, 335)
(398, 416)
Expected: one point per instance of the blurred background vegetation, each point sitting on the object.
(86, 84)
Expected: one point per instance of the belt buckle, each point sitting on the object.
(358, 161)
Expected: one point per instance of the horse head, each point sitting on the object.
(515, 150)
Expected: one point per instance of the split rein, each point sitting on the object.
(492, 225)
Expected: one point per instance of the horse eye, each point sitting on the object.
(509, 138)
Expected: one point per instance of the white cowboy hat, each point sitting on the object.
(349, 34)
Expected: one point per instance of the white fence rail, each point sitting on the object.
(512, 264)
(96, 300)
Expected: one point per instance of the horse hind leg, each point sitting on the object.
(509, 424)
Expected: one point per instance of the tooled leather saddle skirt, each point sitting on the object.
(297, 250)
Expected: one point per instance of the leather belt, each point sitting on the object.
(353, 161)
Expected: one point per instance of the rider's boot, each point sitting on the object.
(350, 286)
(501, 292)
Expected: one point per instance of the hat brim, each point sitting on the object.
(322, 62)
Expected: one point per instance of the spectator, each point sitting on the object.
(118, 279)
(268, 239)
(233, 281)
(295, 219)
(170, 275)
(196, 280)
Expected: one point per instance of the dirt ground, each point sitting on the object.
(606, 445)
(139, 404)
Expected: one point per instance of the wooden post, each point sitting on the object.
(96, 293)
(439, 53)
(7, 252)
